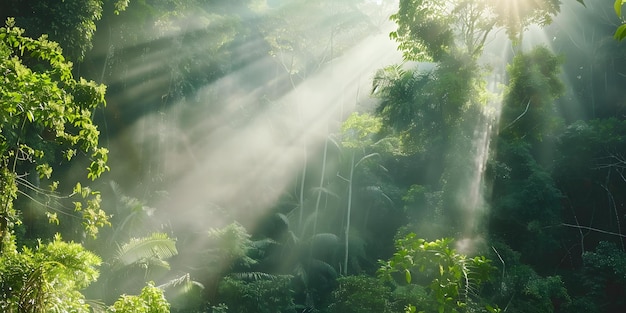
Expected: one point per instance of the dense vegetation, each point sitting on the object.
(213, 156)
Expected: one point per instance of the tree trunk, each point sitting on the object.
(347, 250)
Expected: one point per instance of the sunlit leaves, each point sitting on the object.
(620, 32)
(48, 278)
(517, 15)
(453, 277)
(47, 113)
(150, 300)
(617, 6)
(359, 130)
(424, 31)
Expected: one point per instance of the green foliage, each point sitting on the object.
(231, 244)
(603, 276)
(298, 34)
(526, 203)
(150, 300)
(408, 107)
(154, 249)
(453, 279)
(71, 23)
(257, 296)
(47, 279)
(516, 16)
(46, 112)
(430, 30)
(359, 130)
(521, 289)
(529, 98)
(360, 294)
(424, 30)
(620, 32)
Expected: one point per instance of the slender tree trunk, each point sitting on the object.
(347, 249)
(319, 191)
(302, 181)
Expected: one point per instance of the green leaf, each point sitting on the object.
(620, 32)
(618, 7)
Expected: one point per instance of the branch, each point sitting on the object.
(520, 116)
(593, 229)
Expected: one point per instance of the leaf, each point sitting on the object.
(255, 276)
(157, 245)
(407, 276)
(618, 7)
(620, 32)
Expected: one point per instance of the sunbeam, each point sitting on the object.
(242, 156)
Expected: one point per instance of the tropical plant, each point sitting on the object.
(361, 293)
(137, 262)
(453, 280)
(46, 279)
(150, 300)
(272, 294)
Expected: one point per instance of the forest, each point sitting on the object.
(300, 156)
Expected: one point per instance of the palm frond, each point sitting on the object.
(180, 285)
(96, 306)
(324, 240)
(256, 276)
(156, 246)
(320, 267)
(283, 218)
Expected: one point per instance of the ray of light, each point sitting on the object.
(240, 153)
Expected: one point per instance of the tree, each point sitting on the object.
(529, 109)
(358, 133)
(46, 119)
(71, 23)
(428, 30)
